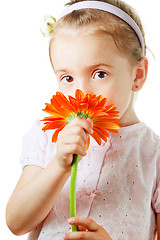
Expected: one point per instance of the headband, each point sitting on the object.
(110, 9)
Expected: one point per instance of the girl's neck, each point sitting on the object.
(129, 119)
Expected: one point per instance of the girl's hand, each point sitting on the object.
(88, 230)
(72, 140)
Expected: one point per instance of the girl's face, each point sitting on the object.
(92, 63)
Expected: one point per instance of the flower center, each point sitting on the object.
(83, 115)
(74, 115)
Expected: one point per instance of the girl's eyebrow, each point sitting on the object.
(88, 67)
(101, 64)
(61, 70)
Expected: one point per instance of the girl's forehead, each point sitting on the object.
(92, 38)
(83, 34)
(88, 40)
(78, 48)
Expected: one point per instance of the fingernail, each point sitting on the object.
(71, 220)
(91, 131)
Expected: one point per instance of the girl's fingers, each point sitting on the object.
(74, 133)
(93, 230)
(90, 121)
(74, 139)
(85, 124)
(74, 149)
(88, 223)
(81, 235)
(77, 128)
(81, 228)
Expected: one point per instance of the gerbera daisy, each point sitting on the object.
(62, 110)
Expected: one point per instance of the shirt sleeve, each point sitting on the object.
(34, 145)
(156, 195)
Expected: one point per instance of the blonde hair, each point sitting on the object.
(123, 35)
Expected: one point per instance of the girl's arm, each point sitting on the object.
(158, 225)
(38, 189)
(34, 197)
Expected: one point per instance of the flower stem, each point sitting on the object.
(73, 189)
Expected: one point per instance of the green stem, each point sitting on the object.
(73, 189)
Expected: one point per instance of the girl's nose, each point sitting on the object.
(84, 87)
(85, 91)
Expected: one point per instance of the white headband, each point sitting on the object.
(108, 8)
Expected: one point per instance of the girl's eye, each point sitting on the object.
(67, 79)
(100, 75)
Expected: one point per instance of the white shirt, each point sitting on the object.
(118, 183)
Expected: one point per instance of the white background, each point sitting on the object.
(27, 80)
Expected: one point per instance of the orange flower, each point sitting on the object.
(62, 111)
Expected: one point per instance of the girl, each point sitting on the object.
(98, 47)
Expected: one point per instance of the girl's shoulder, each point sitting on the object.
(149, 143)
(36, 132)
(139, 135)
(37, 146)
(151, 137)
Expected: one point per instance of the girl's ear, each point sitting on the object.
(140, 74)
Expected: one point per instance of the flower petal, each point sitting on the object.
(88, 143)
(102, 133)
(55, 135)
(79, 95)
(96, 136)
(53, 125)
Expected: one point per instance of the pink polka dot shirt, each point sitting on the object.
(118, 183)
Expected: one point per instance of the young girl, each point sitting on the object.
(98, 47)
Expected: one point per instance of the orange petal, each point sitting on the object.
(51, 110)
(102, 133)
(55, 135)
(52, 119)
(96, 136)
(74, 103)
(109, 107)
(114, 114)
(109, 125)
(53, 125)
(88, 143)
(79, 95)
(102, 102)
(65, 102)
